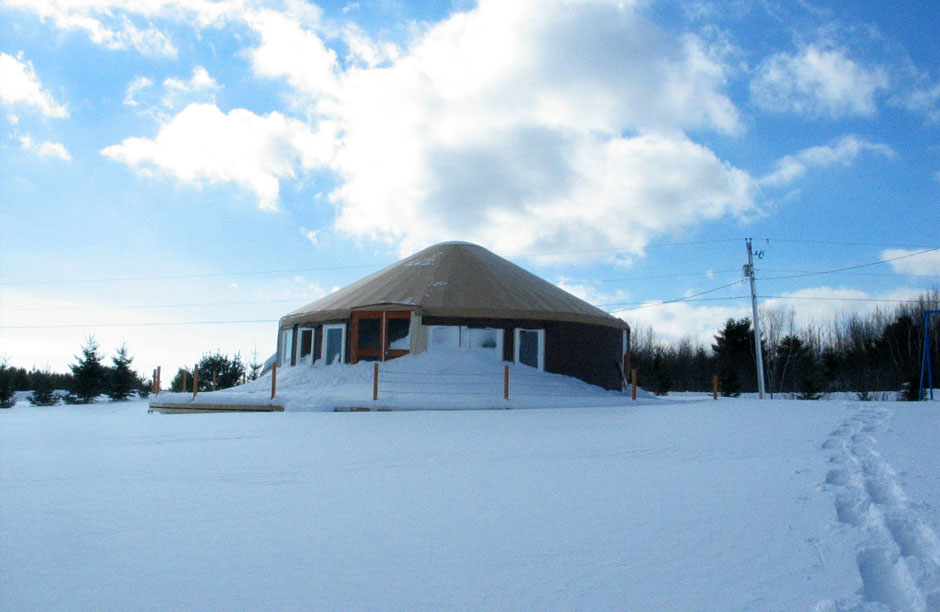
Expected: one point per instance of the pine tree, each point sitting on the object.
(254, 368)
(43, 393)
(7, 385)
(123, 379)
(732, 348)
(89, 375)
(662, 382)
(228, 372)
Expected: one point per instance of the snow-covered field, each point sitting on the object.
(733, 504)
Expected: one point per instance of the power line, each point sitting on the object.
(183, 276)
(141, 306)
(140, 324)
(682, 299)
(866, 265)
(885, 274)
(871, 244)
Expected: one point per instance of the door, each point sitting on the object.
(380, 335)
(333, 345)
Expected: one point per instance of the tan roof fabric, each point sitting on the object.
(456, 279)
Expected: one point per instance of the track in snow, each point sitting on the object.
(898, 555)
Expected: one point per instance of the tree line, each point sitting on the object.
(90, 377)
(868, 354)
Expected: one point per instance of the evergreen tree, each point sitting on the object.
(43, 392)
(661, 379)
(254, 368)
(123, 380)
(733, 349)
(143, 386)
(228, 372)
(182, 374)
(7, 385)
(89, 375)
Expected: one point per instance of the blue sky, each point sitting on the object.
(170, 165)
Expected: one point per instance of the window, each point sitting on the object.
(380, 335)
(334, 344)
(467, 338)
(399, 337)
(306, 342)
(287, 345)
(530, 348)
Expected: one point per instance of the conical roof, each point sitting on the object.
(456, 279)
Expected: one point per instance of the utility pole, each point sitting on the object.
(758, 353)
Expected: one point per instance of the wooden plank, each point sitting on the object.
(181, 408)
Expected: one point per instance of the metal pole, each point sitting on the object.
(758, 353)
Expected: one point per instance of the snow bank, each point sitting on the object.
(443, 380)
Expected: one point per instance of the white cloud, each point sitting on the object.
(136, 86)
(520, 123)
(21, 86)
(204, 145)
(818, 82)
(821, 306)
(841, 152)
(926, 264)
(923, 100)
(46, 148)
(132, 24)
(512, 124)
(677, 320)
(199, 87)
(290, 50)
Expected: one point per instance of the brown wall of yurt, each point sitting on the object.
(588, 352)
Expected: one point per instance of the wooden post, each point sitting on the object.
(506, 382)
(195, 381)
(274, 380)
(375, 381)
(185, 380)
(157, 380)
(153, 382)
(214, 381)
(715, 386)
(244, 377)
(634, 383)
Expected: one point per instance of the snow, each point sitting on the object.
(443, 379)
(735, 504)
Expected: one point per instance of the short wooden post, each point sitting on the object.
(157, 378)
(244, 377)
(185, 380)
(506, 382)
(214, 381)
(715, 386)
(195, 381)
(634, 383)
(153, 381)
(274, 380)
(375, 381)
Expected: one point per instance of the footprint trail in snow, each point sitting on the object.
(898, 554)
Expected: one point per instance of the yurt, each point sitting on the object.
(458, 296)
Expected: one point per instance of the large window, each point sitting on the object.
(332, 349)
(530, 348)
(487, 339)
(380, 335)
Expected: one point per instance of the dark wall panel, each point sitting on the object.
(588, 352)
